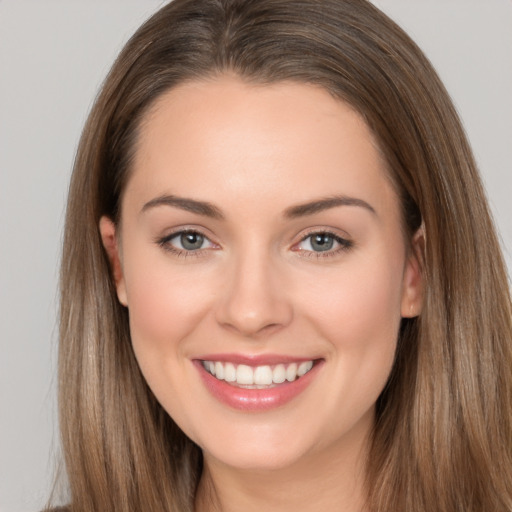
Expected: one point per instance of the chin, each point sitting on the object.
(256, 456)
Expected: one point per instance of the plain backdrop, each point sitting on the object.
(53, 56)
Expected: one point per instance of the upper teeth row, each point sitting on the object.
(257, 375)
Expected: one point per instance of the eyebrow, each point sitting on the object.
(302, 210)
(184, 203)
(320, 205)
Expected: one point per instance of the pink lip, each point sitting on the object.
(254, 360)
(255, 400)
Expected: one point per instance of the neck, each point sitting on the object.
(332, 479)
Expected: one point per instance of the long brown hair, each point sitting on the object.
(443, 436)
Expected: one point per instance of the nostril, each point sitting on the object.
(252, 330)
(253, 302)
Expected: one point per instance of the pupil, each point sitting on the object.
(191, 241)
(322, 242)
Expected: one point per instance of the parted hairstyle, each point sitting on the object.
(442, 441)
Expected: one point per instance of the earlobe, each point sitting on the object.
(110, 243)
(413, 281)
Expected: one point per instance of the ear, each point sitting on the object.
(413, 281)
(110, 243)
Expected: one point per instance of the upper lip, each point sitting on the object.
(255, 360)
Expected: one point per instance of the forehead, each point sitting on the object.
(284, 142)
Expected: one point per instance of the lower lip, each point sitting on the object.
(256, 400)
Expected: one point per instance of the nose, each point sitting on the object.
(254, 301)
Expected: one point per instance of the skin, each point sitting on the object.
(256, 286)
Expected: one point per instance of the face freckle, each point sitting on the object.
(260, 230)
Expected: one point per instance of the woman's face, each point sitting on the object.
(260, 240)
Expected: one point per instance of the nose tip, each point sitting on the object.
(252, 323)
(254, 303)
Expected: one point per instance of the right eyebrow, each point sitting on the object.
(184, 203)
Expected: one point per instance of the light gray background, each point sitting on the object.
(53, 56)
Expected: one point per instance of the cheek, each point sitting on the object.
(373, 304)
(165, 305)
(357, 309)
(360, 296)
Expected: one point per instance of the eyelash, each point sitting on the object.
(165, 244)
(344, 244)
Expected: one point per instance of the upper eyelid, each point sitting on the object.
(329, 231)
(344, 241)
(167, 240)
(340, 237)
(165, 243)
(186, 229)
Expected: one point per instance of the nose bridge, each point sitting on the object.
(254, 299)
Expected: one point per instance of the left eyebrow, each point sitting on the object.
(326, 203)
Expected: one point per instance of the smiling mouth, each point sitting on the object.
(257, 377)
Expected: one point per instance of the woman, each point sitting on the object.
(281, 287)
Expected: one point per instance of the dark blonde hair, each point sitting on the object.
(443, 435)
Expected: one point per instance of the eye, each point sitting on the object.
(323, 242)
(188, 241)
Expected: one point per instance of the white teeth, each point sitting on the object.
(260, 376)
(219, 370)
(279, 374)
(303, 368)
(229, 372)
(244, 375)
(263, 375)
(291, 372)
